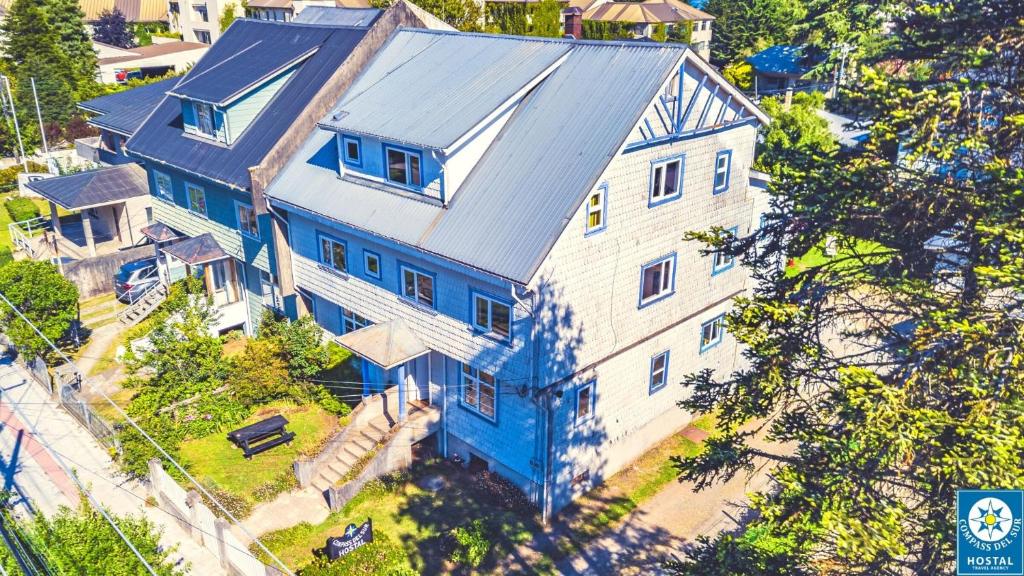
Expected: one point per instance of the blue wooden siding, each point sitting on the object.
(374, 164)
(243, 111)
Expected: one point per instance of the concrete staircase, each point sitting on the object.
(359, 444)
(144, 306)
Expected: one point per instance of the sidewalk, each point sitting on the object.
(44, 482)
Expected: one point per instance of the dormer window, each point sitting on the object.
(204, 119)
(403, 167)
(351, 150)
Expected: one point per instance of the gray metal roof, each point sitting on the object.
(459, 78)
(162, 139)
(94, 187)
(337, 16)
(510, 210)
(387, 345)
(123, 112)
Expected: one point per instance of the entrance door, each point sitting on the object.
(223, 282)
(419, 373)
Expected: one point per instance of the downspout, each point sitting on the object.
(444, 409)
(547, 451)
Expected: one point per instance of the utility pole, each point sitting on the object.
(17, 130)
(39, 116)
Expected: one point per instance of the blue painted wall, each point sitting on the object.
(373, 164)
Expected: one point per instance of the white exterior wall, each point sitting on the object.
(597, 278)
(189, 20)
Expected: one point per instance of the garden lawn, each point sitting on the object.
(216, 460)
(869, 251)
(5, 218)
(418, 520)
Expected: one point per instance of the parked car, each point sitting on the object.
(135, 278)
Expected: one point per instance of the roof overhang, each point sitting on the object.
(387, 345)
(198, 250)
(93, 188)
(160, 232)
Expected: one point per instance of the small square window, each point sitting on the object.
(418, 286)
(657, 280)
(163, 186)
(711, 333)
(666, 180)
(492, 317)
(350, 321)
(403, 167)
(196, 199)
(371, 264)
(659, 371)
(352, 150)
(723, 162)
(585, 402)
(334, 253)
(722, 261)
(596, 209)
(247, 222)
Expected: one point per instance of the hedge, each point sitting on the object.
(21, 208)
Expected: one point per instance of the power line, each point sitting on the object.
(149, 438)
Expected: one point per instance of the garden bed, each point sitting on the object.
(216, 462)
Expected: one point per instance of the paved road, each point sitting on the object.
(663, 525)
(29, 420)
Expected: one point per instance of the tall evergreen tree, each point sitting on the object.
(112, 28)
(743, 27)
(32, 49)
(894, 367)
(68, 20)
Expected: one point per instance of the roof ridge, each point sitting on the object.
(546, 40)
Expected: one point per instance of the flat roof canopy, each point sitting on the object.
(198, 250)
(387, 345)
(93, 188)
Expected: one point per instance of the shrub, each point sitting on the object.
(381, 557)
(237, 505)
(21, 208)
(471, 544)
(6, 255)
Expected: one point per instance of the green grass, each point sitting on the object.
(417, 519)
(217, 460)
(5, 218)
(847, 256)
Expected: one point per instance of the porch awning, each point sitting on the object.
(387, 345)
(159, 232)
(198, 250)
(93, 188)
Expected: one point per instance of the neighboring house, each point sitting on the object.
(649, 13)
(496, 226)
(326, 13)
(223, 131)
(135, 11)
(118, 65)
(783, 70)
(199, 20)
(110, 204)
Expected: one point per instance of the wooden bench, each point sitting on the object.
(262, 435)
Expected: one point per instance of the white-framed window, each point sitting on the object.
(351, 150)
(371, 264)
(350, 321)
(270, 290)
(585, 402)
(196, 199)
(659, 371)
(711, 333)
(722, 164)
(403, 167)
(418, 286)
(666, 180)
(657, 280)
(722, 261)
(479, 391)
(333, 253)
(492, 317)
(596, 209)
(247, 222)
(163, 186)
(204, 119)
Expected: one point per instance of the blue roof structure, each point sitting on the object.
(518, 198)
(332, 16)
(783, 60)
(249, 51)
(123, 112)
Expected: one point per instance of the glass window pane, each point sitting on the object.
(583, 402)
(414, 169)
(487, 400)
(372, 265)
(338, 256)
(396, 167)
(470, 388)
(501, 317)
(482, 309)
(409, 283)
(352, 150)
(666, 276)
(656, 187)
(671, 177)
(487, 378)
(325, 250)
(659, 363)
(425, 286)
(651, 282)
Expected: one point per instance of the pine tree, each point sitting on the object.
(893, 367)
(32, 49)
(112, 29)
(69, 21)
(743, 27)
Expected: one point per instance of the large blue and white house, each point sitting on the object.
(496, 226)
(221, 133)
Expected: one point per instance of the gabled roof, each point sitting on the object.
(94, 187)
(516, 201)
(429, 88)
(647, 12)
(123, 112)
(160, 232)
(336, 16)
(161, 137)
